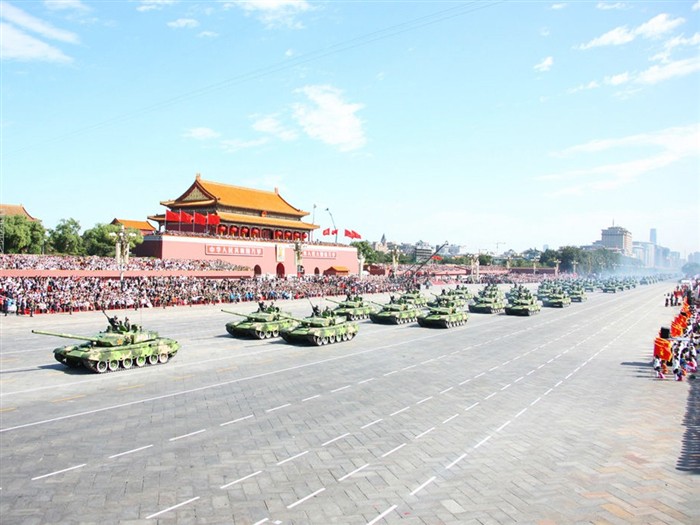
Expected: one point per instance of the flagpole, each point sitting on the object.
(333, 221)
(313, 221)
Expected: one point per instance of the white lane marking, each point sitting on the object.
(552, 359)
(520, 413)
(188, 435)
(129, 451)
(481, 374)
(482, 442)
(536, 401)
(548, 392)
(530, 372)
(449, 419)
(399, 411)
(292, 458)
(421, 487)
(559, 383)
(460, 458)
(381, 516)
(569, 375)
(372, 423)
(302, 500)
(427, 361)
(508, 385)
(264, 520)
(240, 479)
(506, 362)
(310, 398)
(471, 406)
(365, 381)
(389, 373)
(424, 433)
(465, 381)
(408, 367)
(278, 408)
(341, 388)
(346, 476)
(58, 472)
(172, 508)
(504, 425)
(393, 450)
(236, 420)
(490, 395)
(493, 368)
(540, 366)
(424, 400)
(335, 439)
(447, 390)
(443, 356)
(519, 379)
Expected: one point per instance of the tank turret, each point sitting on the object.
(265, 323)
(322, 329)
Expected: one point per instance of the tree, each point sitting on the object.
(98, 241)
(23, 235)
(485, 259)
(366, 251)
(65, 238)
(691, 269)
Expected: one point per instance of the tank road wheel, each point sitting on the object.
(163, 358)
(113, 365)
(317, 340)
(351, 317)
(101, 367)
(260, 334)
(152, 359)
(331, 339)
(140, 361)
(268, 334)
(275, 333)
(127, 362)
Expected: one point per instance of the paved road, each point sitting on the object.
(553, 419)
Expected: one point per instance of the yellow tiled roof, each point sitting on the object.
(15, 209)
(235, 197)
(239, 218)
(137, 225)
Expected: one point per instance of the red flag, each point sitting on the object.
(171, 216)
(355, 235)
(348, 233)
(327, 231)
(334, 232)
(213, 218)
(185, 217)
(199, 218)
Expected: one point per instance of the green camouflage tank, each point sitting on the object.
(557, 299)
(443, 317)
(115, 349)
(490, 300)
(396, 312)
(266, 322)
(353, 308)
(522, 302)
(320, 329)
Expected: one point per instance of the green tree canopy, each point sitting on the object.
(100, 239)
(23, 235)
(65, 238)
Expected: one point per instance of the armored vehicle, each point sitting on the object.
(443, 317)
(117, 349)
(396, 312)
(490, 300)
(266, 322)
(557, 299)
(461, 292)
(522, 302)
(577, 294)
(414, 297)
(446, 299)
(320, 329)
(353, 308)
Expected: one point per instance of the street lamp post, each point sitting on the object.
(313, 221)
(333, 222)
(121, 249)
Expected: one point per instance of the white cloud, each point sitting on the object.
(671, 145)
(151, 5)
(696, 6)
(183, 22)
(673, 43)
(234, 145)
(653, 28)
(208, 34)
(678, 68)
(330, 119)
(201, 134)
(16, 45)
(270, 124)
(593, 84)
(17, 17)
(558, 6)
(62, 5)
(273, 13)
(545, 65)
(544, 31)
(616, 80)
(605, 6)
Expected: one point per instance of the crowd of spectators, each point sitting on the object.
(73, 262)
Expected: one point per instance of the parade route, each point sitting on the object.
(550, 419)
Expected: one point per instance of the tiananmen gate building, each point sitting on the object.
(249, 227)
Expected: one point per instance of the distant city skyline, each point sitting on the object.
(481, 123)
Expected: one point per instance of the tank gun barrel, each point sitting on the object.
(332, 301)
(66, 336)
(285, 316)
(234, 313)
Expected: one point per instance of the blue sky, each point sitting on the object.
(517, 123)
